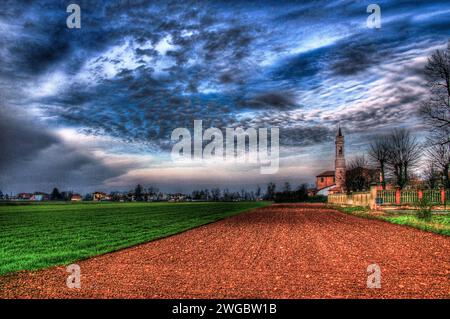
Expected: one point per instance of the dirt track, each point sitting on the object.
(282, 251)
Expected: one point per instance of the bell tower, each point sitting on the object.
(339, 163)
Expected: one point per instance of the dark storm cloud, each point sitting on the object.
(32, 154)
(306, 136)
(354, 59)
(142, 109)
(346, 57)
(301, 68)
(59, 166)
(356, 54)
(370, 49)
(398, 111)
(273, 100)
(37, 54)
(20, 140)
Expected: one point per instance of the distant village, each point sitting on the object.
(151, 194)
(139, 194)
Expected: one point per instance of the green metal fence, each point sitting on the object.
(432, 196)
(409, 197)
(386, 196)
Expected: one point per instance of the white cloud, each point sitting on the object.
(48, 85)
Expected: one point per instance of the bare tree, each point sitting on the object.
(379, 153)
(215, 194)
(359, 175)
(431, 175)
(139, 192)
(404, 155)
(439, 156)
(359, 161)
(258, 192)
(436, 110)
(271, 190)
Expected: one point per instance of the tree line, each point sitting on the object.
(285, 194)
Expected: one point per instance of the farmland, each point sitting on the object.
(289, 251)
(38, 236)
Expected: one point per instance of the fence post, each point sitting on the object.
(443, 195)
(398, 195)
(373, 196)
(379, 186)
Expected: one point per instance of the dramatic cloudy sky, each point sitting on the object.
(93, 108)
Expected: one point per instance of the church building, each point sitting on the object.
(330, 182)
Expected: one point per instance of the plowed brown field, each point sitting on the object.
(281, 251)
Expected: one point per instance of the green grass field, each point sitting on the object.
(38, 236)
(438, 223)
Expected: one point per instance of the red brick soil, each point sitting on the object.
(281, 251)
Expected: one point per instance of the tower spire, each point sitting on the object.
(339, 162)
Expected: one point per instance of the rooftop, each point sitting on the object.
(326, 174)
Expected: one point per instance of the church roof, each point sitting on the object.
(326, 174)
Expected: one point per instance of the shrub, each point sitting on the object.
(424, 209)
(317, 199)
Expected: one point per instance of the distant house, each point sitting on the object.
(100, 196)
(325, 179)
(24, 196)
(39, 197)
(76, 198)
(130, 197)
(325, 182)
(178, 197)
